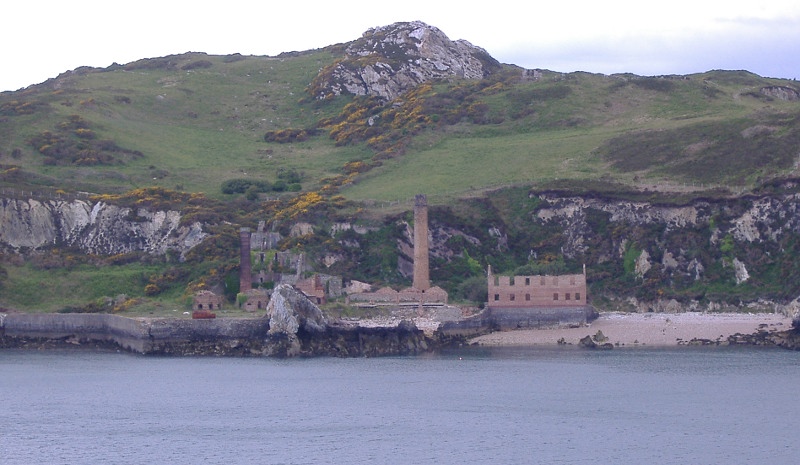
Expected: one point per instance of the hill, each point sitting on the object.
(192, 121)
(350, 132)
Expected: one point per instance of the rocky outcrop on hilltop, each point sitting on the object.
(94, 228)
(781, 93)
(390, 60)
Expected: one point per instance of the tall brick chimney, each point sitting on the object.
(422, 280)
(245, 278)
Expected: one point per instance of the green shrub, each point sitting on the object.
(290, 176)
(654, 83)
(285, 136)
(199, 64)
(472, 289)
(629, 259)
(252, 193)
(240, 186)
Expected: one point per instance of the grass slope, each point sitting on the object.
(195, 127)
(199, 120)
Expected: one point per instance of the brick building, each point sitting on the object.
(206, 300)
(536, 291)
(313, 288)
(255, 300)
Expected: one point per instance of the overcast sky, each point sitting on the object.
(40, 40)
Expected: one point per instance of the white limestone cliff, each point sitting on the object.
(95, 228)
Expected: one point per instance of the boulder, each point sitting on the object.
(289, 311)
(598, 341)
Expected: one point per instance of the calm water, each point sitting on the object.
(499, 406)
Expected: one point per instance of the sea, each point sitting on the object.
(475, 405)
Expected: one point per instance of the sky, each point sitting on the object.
(40, 40)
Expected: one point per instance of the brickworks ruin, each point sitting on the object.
(420, 293)
(538, 301)
(512, 301)
(536, 291)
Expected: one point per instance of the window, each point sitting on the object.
(527, 281)
(527, 297)
(577, 296)
(511, 297)
(555, 296)
(566, 296)
(497, 297)
(511, 281)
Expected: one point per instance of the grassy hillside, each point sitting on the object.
(639, 131)
(196, 120)
(192, 121)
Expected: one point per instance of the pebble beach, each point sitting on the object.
(645, 329)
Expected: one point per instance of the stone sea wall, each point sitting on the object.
(505, 319)
(545, 317)
(220, 336)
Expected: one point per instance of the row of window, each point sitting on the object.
(513, 297)
(210, 306)
(512, 280)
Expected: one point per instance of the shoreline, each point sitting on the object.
(645, 330)
(396, 335)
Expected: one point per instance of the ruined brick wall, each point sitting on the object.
(386, 296)
(313, 288)
(207, 300)
(257, 300)
(537, 291)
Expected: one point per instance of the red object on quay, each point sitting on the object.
(203, 315)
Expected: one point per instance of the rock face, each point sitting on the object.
(440, 240)
(751, 220)
(735, 238)
(289, 311)
(390, 60)
(97, 228)
(781, 93)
